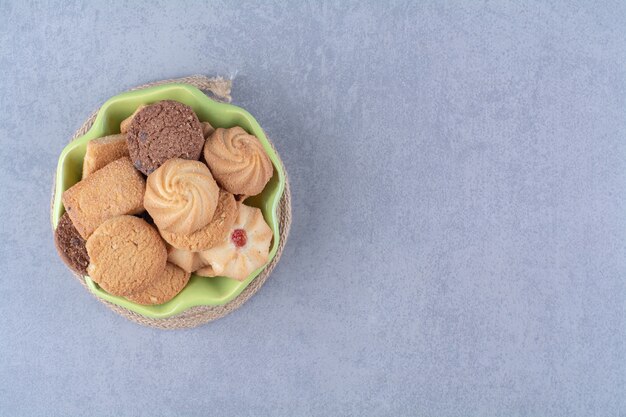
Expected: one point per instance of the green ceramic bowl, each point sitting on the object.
(199, 290)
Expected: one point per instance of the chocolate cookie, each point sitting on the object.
(126, 254)
(164, 130)
(71, 245)
(126, 122)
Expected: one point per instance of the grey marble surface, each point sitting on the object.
(459, 236)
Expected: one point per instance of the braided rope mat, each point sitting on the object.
(218, 89)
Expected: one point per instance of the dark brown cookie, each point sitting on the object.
(71, 246)
(164, 130)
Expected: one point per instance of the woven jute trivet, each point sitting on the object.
(218, 89)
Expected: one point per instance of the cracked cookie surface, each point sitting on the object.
(171, 281)
(111, 191)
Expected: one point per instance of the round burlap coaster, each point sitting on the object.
(218, 89)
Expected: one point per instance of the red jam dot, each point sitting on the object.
(239, 238)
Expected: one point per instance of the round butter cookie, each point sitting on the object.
(125, 255)
(162, 289)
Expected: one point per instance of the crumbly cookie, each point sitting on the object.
(171, 281)
(238, 161)
(71, 245)
(213, 233)
(164, 130)
(126, 254)
(126, 122)
(103, 151)
(111, 191)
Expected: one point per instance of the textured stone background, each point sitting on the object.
(459, 236)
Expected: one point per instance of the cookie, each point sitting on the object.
(111, 191)
(181, 196)
(238, 161)
(125, 255)
(211, 234)
(126, 122)
(245, 249)
(171, 281)
(71, 245)
(164, 130)
(206, 271)
(187, 260)
(103, 151)
(207, 129)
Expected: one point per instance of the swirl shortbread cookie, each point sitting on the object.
(161, 131)
(181, 196)
(238, 161)
(125, 255)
